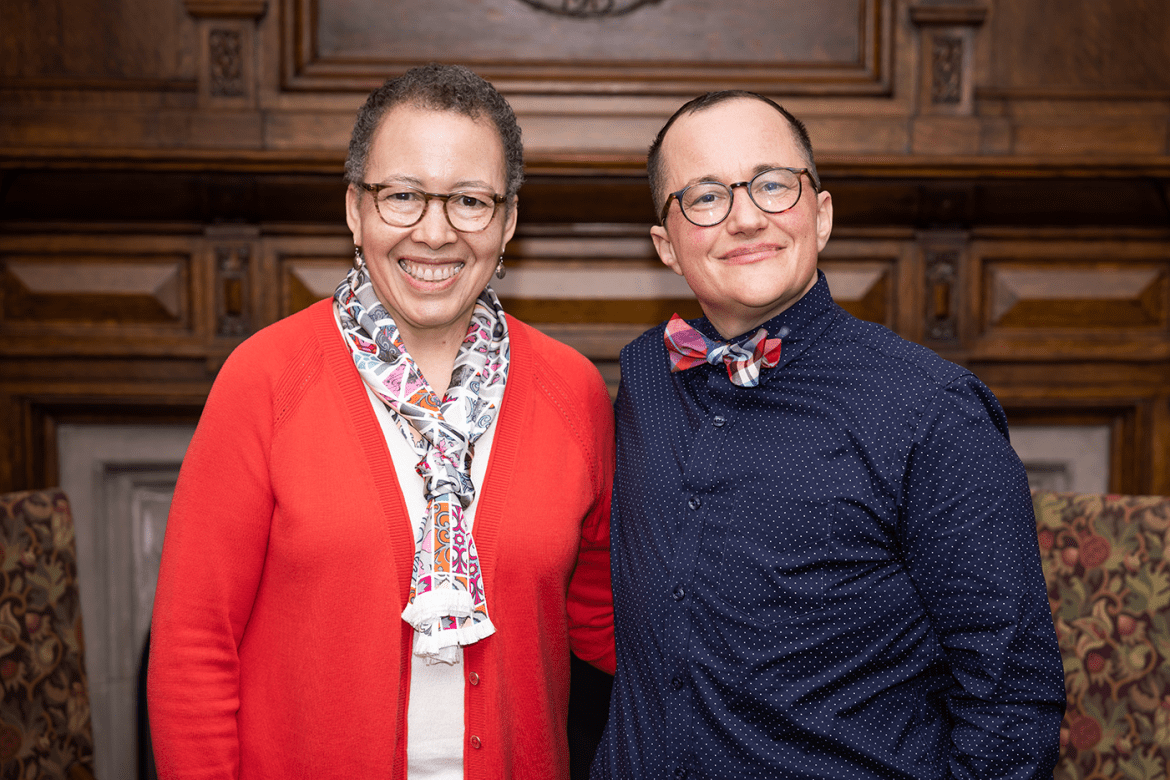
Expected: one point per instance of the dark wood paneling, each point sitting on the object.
(97, 44)
(1081, 47)
(1000, 174)
(85, 290)
(681, 47)
(1064, 298)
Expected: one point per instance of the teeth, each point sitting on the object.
(429, 273)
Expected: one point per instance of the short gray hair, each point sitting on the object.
(440, 88)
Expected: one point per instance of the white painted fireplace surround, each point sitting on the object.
(119, 479)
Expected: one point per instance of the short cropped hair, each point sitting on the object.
(654, 164)
(440, 88)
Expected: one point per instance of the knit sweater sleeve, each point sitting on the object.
(590, 597)
(590, 603)
(212, 560)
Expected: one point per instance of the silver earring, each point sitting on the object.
(358, 260)
(501, 271)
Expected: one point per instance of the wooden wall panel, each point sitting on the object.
(1081, 48)
(97, 44)
(63, 295)
(170, 181)
(681, 47)
(85, 291)
(1089, 299)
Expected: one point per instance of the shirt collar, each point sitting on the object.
(798, 326)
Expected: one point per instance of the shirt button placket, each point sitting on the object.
(679, 727)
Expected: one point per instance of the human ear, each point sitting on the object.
(353, 213)
(824, 218)
(510, 222)
(665, 248)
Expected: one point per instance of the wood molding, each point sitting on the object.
(30, 460)
(1127, 419)
(948, 15)
(226, 9)
(307, 65)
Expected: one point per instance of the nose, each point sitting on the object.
(745, 216)
(433, 229)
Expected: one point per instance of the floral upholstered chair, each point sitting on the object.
(1107, 565)
(45, 729)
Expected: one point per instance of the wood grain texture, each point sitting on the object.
(189, 153)
(686, 46)
(1085, 48)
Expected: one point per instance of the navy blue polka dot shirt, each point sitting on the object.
(834, 574)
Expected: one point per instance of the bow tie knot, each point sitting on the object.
(687, 347)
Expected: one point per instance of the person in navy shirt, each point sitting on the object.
(824, 551)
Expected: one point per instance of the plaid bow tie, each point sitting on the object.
(688, 347)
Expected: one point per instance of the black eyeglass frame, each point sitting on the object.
(731, 188)
(374, 189)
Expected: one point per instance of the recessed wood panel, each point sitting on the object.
(616, 291)
(1081, 47)
(1083, 296)
(80, 290)
(107, 44)
(681, 46)
(306, 280)
(863, 288)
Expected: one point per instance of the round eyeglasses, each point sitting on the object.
(400, 205)
(708, 203)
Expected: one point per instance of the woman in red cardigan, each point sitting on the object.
(392, 524)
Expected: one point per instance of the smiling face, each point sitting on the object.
(753, 265)
(429, 275)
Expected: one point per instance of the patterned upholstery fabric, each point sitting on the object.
(45, 729)
(1107, 565)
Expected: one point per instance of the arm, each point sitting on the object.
(590, 600)
(969, 540)
(213, 555)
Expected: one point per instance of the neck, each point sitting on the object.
(738, 320)
(733, 324)
(434, 352)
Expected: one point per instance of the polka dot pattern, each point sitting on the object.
(832, 575)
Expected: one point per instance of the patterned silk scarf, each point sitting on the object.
(447, 604)
(688, 347)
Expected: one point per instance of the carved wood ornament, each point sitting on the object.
(588, 8)
(941, 276)
(947, 69)
(227, 67)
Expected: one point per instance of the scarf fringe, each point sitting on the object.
(442, 645)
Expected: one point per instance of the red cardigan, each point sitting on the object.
(278, 649)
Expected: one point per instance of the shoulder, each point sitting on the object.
(560, 369)
(295, 328)
(569, 394)
(645, 356)
(649, 344)
(293, 345)
(909, 375)
(875, 348)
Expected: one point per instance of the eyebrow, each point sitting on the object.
(415, 182)
(713, 177)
